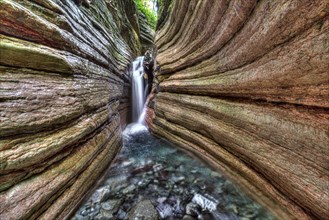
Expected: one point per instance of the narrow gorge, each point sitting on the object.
(241, 85)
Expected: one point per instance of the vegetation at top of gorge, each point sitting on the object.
(147, 7)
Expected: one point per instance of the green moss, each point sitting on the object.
(150, 14)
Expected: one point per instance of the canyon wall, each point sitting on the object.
(64, 98)
(245, 85)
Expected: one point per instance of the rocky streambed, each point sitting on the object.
(151, 179)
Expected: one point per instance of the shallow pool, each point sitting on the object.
(152, 179)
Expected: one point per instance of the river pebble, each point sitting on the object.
(151, 179)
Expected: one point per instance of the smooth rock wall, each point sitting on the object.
(245, 85)
(64, 98)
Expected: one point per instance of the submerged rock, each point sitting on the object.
(165, 182)
(229, 216)
(193, 209)
(112, 205)
(205, 202)
(121, 215)
(129, 189)
(188, 217)
(101, 195)
(143, 210)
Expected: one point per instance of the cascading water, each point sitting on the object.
(151, 179)
(137, 88)
(138, 93)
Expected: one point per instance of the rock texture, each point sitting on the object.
(245, 85)
(144, 210)
(64, 97)
(147, 33)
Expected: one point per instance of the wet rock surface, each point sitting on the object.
(151, 179)
(143, 210)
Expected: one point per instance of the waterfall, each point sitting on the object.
(138, 94)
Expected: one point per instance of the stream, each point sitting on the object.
(152, 179)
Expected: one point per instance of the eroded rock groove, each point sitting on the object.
(246, 86)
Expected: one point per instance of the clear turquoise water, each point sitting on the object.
(148, 168)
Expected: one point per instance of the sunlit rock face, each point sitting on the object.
(64, 98)
(245, 85)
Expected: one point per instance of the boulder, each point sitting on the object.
(143, 210)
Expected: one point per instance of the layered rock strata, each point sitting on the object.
(64, 97)
(245, 85)
(147, 33)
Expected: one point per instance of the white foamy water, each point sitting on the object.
(138, 94)
(133, 129)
